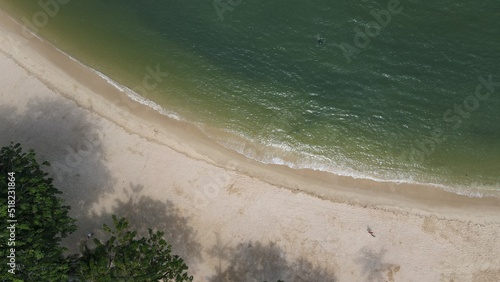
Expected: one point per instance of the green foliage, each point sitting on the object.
(42, 219)
(124, 258)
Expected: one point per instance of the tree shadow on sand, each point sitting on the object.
(143, 213)
(72, 144)
(68, 140)
(255, 261)
(373, 265)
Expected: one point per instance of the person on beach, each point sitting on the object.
(370, 231)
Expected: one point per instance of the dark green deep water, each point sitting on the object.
(402, 107)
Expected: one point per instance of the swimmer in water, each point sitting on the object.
(320, 40)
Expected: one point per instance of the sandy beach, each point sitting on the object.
(231, 218)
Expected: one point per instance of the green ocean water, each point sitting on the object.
(253, 75)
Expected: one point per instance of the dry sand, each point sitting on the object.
(232, 219)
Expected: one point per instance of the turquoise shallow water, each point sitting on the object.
(400, 107)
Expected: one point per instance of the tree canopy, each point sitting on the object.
(38, 219)
(35, 219)
(124, 258)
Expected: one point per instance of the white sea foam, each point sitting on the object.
(138, 98)
(129, 92)
(307, 160)
(278, 152)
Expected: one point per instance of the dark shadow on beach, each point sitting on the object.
(72, 144)
(255, 261)
(144, 213)
(374, 267)
(68, 141)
